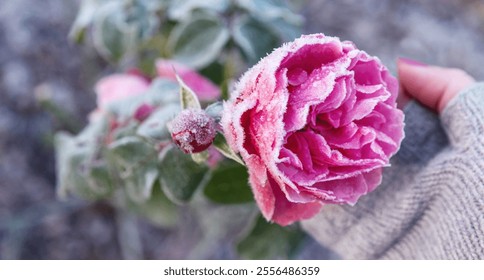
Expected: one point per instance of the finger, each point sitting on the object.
(432, 86)
(403, 98)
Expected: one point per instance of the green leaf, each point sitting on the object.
(139, 183)
(159, 210)
(154, 5)
(276, 15)
(112, 36)
(180, 176)
(286, 30)
(188, 98)
(142, 15)
(124, 109)
(126, 130)
(221, 145)
(75, 173)
(270, 241)
(64, 144)
(229, 185)
(163, 91)
(136, 162)
(154, 127)
(99, 177)
(255, 38)
(78, 169)
(198, 41)
(120, 27)
(266, 10)
(84, 18)
(131, 151)
(85, 182)
(180, 10)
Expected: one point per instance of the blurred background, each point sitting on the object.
(36, 57)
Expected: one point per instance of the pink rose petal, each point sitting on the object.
(117, 87)
(204, 88)
(315, 121)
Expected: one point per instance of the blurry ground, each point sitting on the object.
(35, 55)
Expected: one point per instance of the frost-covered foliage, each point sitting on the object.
(195, 33)
(154, 144)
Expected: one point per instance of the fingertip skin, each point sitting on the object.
(431, 85)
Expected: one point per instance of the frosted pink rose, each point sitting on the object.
(116, 87)
(315, 121)
(119, 86)
(204, 88)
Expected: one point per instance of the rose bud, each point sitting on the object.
(193, 130)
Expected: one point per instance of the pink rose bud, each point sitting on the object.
(143, 112)
(193, 130)
(117, 87)
(315, 121)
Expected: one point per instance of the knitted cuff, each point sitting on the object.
(366, 230)
(463, 117)
(424, 136)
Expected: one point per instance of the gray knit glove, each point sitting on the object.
(430, 204)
